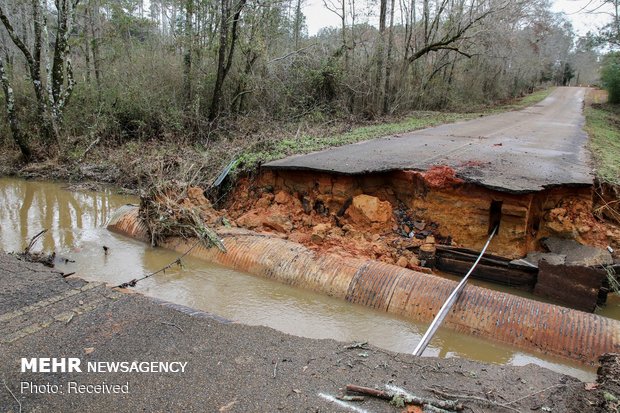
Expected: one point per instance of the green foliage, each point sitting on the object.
(610, 76)
(603, 126)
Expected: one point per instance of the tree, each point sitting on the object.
(52, 92)
(610, 76)
(226, 50)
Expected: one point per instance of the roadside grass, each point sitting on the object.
(603, 127)
(272, 149)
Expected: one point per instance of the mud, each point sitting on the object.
(317, 210)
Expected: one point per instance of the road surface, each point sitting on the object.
(538, 147)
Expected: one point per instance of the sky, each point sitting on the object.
(317, 16)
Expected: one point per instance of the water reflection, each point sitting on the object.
(29, 207)
(76, 231)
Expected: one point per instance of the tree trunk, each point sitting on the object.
(221, 62)
(187, 60)
(380, 58)
(388, 64)
(9, 100)
(224, 61)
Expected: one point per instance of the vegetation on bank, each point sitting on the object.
(262, 152)
(133, 164)
(206, 74)
(603, 126)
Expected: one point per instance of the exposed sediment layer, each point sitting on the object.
(499, 316)
(464, 211)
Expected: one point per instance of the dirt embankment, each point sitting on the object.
(400, 217)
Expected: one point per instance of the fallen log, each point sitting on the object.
(491, 268)
(400, 398)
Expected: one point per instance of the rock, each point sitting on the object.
(317, 238)
(412, 243)
(282, 197)
(419, 225)
(264, 201)
(577, 254)
(402, 262)
(299, 237)
(250, 220)
(306, 204)
(197, 196)
(429, 240)
(414, 262)
(319, 233)
(278, 223)
(366, 209)
(336, 232)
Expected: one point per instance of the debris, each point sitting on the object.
(88, 350)
(168, 211)
(533, 258)
(105, 250)
(441, 176)
(573, 286)
(577, 254)
(361, 344)
(590, 386)
(366, 209)
(39, 257)
(400, 398)
(227, 407)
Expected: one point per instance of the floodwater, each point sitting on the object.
(76, 223)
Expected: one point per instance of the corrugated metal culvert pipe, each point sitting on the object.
(507, 318)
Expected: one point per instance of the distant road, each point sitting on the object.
(523, 151)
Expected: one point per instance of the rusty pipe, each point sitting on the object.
(503, 317)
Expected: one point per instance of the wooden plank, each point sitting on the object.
(513, 277)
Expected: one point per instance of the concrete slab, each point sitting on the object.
(523, 151)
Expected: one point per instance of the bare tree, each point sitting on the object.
(53, 92)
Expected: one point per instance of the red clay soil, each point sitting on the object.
(441, 176)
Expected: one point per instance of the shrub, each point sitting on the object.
(610, 76)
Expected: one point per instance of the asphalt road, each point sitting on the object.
(538, 147)
(228, 367)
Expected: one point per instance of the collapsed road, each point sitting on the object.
(536, 148)
(523, 174)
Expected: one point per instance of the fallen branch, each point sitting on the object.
(33, 241)
(480, 400)
(133, 282)
(535, 393)
(16, 399)
(380, 394)
(90, 147)
(399, 397)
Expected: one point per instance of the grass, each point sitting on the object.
(603, 126)
(269, 150)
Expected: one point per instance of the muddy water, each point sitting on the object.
(76, 231)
